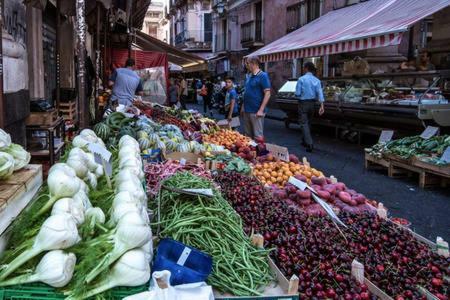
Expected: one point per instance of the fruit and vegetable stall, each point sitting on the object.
(162, 189)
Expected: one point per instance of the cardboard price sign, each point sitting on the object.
(429, 132)
(278, 151)
(298, 183)
(101, 156)
(386, 136)
(235, 122)
(446, 155)
(328, 210)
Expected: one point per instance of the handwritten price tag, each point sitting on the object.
(429, 132)
(386, 136)
(278, 151)
(446, 155)
(298, 183)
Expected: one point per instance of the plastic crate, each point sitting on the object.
(45, 292)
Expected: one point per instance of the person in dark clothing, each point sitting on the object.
(209, 94)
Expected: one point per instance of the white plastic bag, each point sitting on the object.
(160, 289)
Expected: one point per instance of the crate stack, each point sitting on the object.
(68, 111)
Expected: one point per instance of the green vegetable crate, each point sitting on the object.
(45, 292)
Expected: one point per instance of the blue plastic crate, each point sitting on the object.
(186, 264)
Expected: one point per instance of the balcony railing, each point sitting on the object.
(251, 31)
(220, 43)
(193, 36)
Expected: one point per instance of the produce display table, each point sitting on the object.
(429, 175)
(17, 191)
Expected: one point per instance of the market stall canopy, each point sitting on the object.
(371, 24)
(189, 62)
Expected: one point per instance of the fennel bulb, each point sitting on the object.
(125, 154)
(148, 250)
(126, 175)
(57, 232)
(131, 232)
(131, 162)
(127, 140)
(63, 166)
(79, 164)
(135, 189)
(5, 139)
(61, 184)
(80, 142)
(69, 206)
(132, 269)
(80, 198)
(96, 214)
(92, 180)
(55, 269)
(92, 165)
(83, 186)
(89, 135)
(99, 171)
(6, 165)
(136, 171)
(21, 156)
(118, 211)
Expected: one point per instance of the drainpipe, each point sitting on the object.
(58, 43)
(83, 107)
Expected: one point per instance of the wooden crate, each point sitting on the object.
(42, 118)
(438, 170)
(372, 162)
(17, 191)
(426, 178)
(68, 110)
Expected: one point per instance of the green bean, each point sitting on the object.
(212, 226)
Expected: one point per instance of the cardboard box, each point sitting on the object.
(188, 157)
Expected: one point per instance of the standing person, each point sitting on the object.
(173, 92)
(231, 100)
(425, 61)
(203, 92)
(256, 97)
(308, 90)
(209, 95)
(183, 92)
(194, 88)
(126, 83)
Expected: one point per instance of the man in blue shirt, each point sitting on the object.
(256, 97)
(126, 83)
(308, 91)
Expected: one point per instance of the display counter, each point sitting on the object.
(402, 101)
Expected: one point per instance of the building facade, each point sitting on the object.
(242, 26)
(191, 26)
(156, 23)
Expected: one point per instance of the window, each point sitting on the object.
(153, 31)
(293, 17)
(191, 5)
(302, 13)
(206, 5)
(312, 10)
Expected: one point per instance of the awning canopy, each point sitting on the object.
(371, 24)
(176, 56)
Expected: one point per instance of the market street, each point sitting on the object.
(425, 209)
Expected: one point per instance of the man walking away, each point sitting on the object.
(126, 83)
(231, 101)
(308, 90)
(256, 97)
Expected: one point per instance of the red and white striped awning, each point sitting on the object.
(371, 24)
